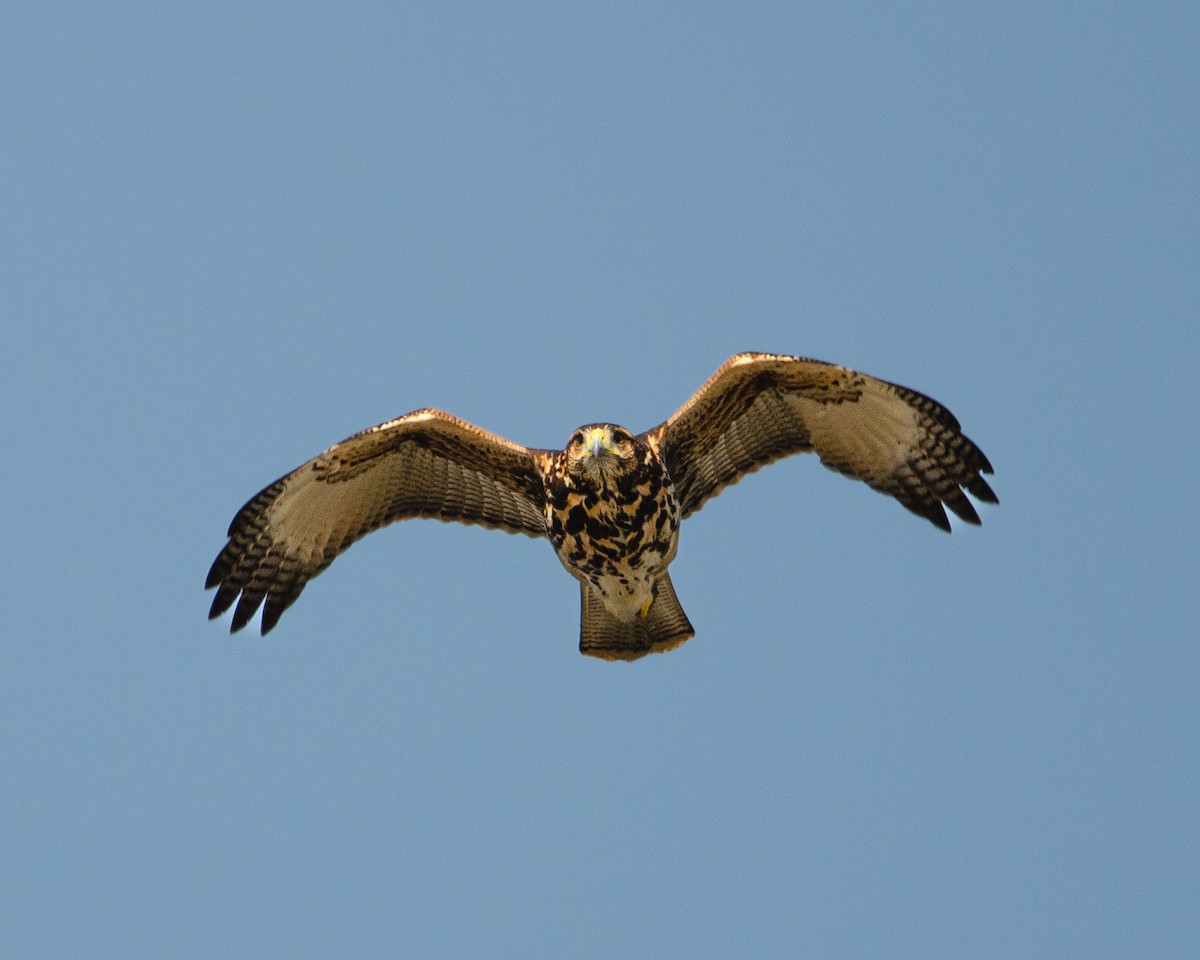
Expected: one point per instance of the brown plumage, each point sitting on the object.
(610, 502)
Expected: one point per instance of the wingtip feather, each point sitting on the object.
(981, 490)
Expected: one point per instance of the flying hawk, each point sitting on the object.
(612, 501)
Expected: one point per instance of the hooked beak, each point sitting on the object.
(599, 442)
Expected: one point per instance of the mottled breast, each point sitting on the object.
(616, 527)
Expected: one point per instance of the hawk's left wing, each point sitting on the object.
(425, 464)
(759, 407)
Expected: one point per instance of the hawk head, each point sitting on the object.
(600, 452)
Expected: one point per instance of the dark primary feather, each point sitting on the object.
(758, 408)
(425, 464)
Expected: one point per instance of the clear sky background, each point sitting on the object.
(232, 234)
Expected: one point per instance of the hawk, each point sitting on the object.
(612, 501)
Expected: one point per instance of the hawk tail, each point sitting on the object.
(603, 635)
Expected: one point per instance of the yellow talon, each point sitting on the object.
(645, 611)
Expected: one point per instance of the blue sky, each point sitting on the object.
(233, 234)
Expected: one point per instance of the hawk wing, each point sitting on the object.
(759, 407)
(425, 464)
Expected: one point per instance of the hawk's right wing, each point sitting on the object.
(425, 464)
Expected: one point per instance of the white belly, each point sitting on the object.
(624, 597)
